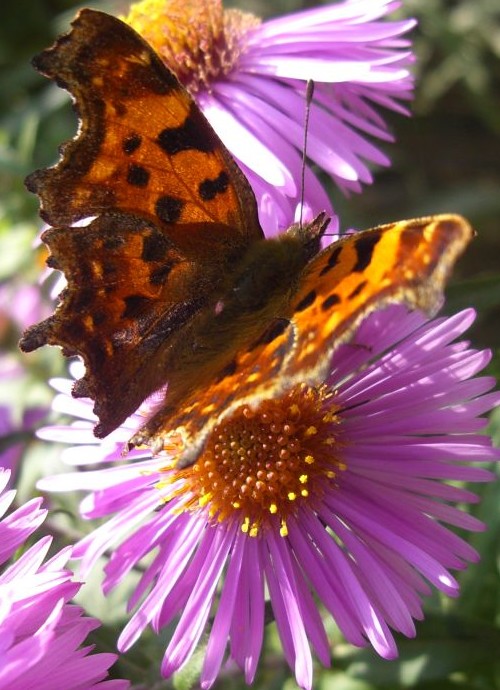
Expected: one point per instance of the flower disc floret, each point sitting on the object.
(200, 41)
(269, 460)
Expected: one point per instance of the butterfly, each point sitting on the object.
(172, 284)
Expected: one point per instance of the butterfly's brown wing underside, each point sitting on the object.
(406, 262)
(172, 211)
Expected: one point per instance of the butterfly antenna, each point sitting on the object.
(309, 97)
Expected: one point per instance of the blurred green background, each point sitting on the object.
(447, 158)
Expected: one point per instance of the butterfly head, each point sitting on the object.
(310, 234)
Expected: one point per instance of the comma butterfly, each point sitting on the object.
(173, 282)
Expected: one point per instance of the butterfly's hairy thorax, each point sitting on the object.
(271, 268)
(257, 294)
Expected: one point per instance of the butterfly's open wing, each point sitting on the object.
(406, 262)
(172, 212)
(143, 146)
(124, 301)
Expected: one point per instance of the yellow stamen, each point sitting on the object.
(260, 464)
(197, 39)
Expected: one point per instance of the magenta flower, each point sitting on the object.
(249, 78)
(340, 492)
(41, 633)
(21, 304)
(15, 429)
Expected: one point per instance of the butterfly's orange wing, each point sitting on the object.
(143, 147)
(173, 211)
(406, 262)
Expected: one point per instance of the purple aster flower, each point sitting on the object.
(20, 305)
(249, 78)
(41, 633)
(343, 494)
(16, 425)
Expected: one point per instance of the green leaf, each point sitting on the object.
(482, 292)
(445, 645)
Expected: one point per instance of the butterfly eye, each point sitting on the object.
(310, 235)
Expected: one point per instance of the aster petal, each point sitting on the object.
(40, 632)
(356, 11)
(197, 608)
(4, 480)
(316, 570)
(224, 616)
(247, 147)
(372, 624)
(75, 434)
(77, 408)
(282, 589)
(313, 624)
(172, 584)
(356, 511)
(92, 547)
(378, 584)
(270, 108)
(247, 625)
(19, 525)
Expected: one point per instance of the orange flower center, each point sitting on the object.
(197, 39)
(261, 464)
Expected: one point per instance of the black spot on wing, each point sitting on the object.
(155, 247)
(364, 246)
(330, 301)
(208, 189)
(110, 270)
(120, 108)
(137, 175)
(306, 301)
(83, 299)
(131, 143)
(112, 242)
(358, 289)
(274, 331)
(134, 306)
(190, 135)
(160, 275)
(168, 209)
(332, 261)
(409, 240)
(99, 317)
(228, 370)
